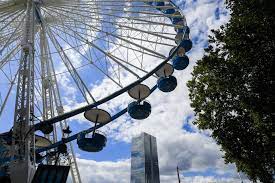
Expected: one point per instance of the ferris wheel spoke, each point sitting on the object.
(6, 75)
(129, 37)
(4, 6)
(3, 104)
(96, 38)
(132, 38)
(114, 57)
(89, 60)
(127, 41)
(10, 21)
(105, 21)
(8, 14)
(126, 10)
(79, 82)
(146, 39)
(115, 16)
(10, 40)
(112, 23)
(123, 36)
(58, 103)
(119, 59)
(98, 58)
(37, 107)
(119, 4)
(6, 58)
(15, 35)
(37, 103)
(110, 56)
(15, 40)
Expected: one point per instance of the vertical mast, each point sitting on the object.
(51, 100)
(51, 97)
(23, 160)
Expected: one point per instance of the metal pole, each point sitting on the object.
(22, 167)
(178, 174)
(51, 97)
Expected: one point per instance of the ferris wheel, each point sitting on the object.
(53, 53)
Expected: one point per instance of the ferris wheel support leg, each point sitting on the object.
(22, 166)
(49, 73)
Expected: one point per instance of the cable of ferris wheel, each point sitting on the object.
(107, 54)
(118, 59)
(123, 26)
(123, 1)
(112, 23)
(107, 75)
(6, 34)
(6, 75)
(162, 56)
(92, 62)
(96, 1)
(67, 42)
(59, 106)
(100, 3)
(101, 38)
(111, 27)
(38, 78)
(6, 58)
(54, 52)
(76, 77)
(121, 17)
(7, 5)
(36, 104)
(14, 38)
(125, 11)
(126, 6)
(8, 94)
(133, 38)
(112, 3)
(9, 39)
(119, 37)
(8, 14)
(11, 21)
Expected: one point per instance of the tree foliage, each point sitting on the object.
(232, 88)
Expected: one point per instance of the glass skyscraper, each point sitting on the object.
(144, 159)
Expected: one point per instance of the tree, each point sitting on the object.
(232, 88)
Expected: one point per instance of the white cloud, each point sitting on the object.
(104, 171)
(119, 171)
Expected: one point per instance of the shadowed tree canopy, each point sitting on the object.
(232, 88)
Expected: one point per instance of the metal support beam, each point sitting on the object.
(22, 167)
(55, 94)
(52, 100)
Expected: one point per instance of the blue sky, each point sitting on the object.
(179, 141)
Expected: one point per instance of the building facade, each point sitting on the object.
(144, 159)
